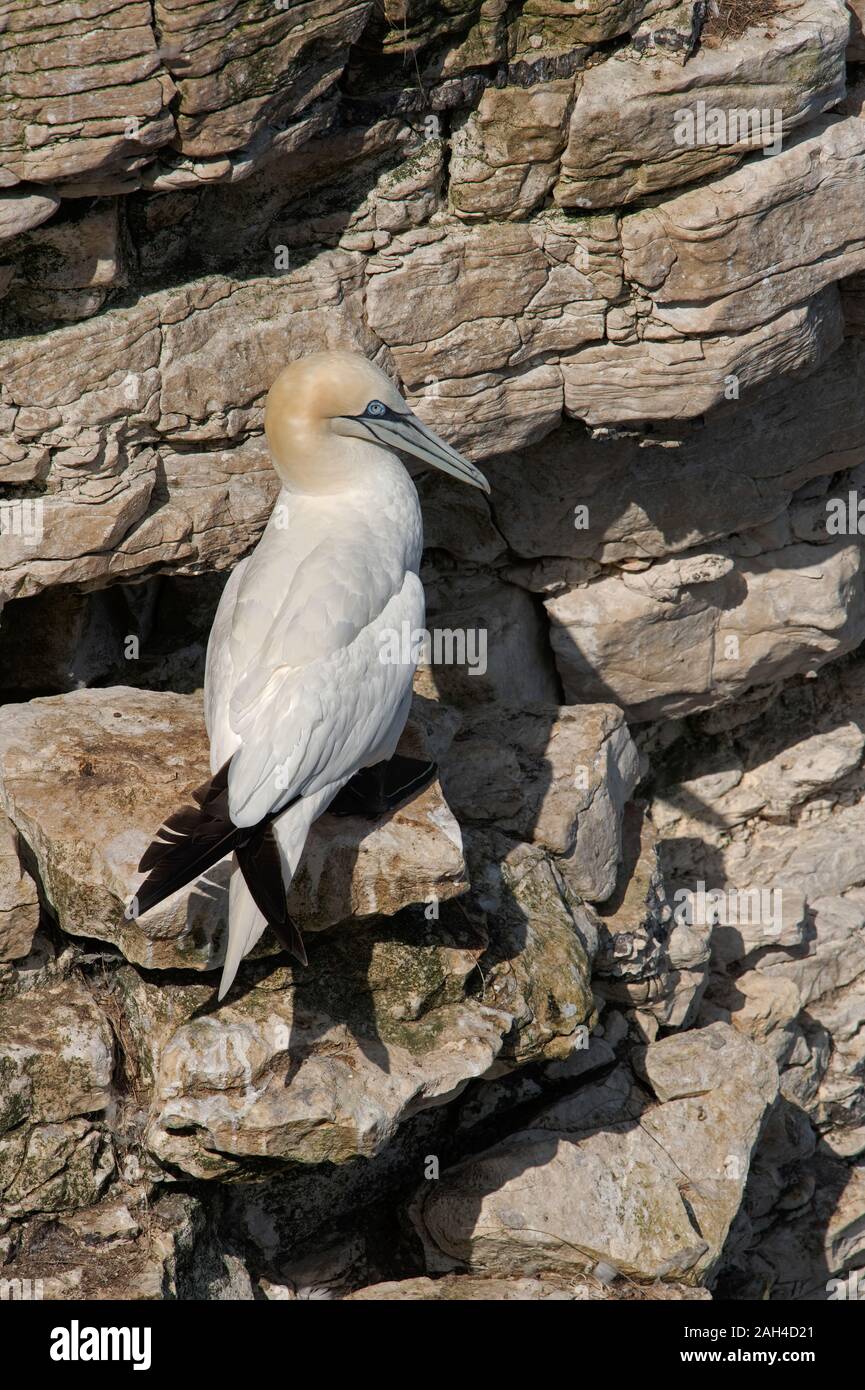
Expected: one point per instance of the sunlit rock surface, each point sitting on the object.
(584, 1021)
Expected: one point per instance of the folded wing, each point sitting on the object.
(297, 690)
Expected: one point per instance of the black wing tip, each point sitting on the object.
(193, 839)
(294, 946)
(378, 790)
(259, 862)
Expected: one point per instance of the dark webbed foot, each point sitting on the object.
(376, 790)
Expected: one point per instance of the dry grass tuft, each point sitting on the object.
(735, 17)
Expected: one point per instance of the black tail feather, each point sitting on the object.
(191, 841)
(195, 838)
(261, 867)
(188, 843)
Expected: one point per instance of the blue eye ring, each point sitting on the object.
(375, 408)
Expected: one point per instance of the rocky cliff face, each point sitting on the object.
(587, 1019)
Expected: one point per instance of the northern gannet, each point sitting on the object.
(298, 703)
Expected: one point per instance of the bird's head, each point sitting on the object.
(321, 400)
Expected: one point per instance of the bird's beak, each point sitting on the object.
(407, 432)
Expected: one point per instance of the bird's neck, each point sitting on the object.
(350, 481)
(334, 465)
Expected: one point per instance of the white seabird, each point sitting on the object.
(297, 698)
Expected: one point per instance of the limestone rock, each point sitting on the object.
(775, 787)
(514, 1209)
(487, 644)
(463, 1288)
(188, 91)
(21, 209)
(788, 926)
(716, 1094)
(88, 410)
(66, 271)
(46, 964)
(775, 759)
(809, 1258)
(665, 375)
(559, 777)
(117, 762)
(440, 299)
(542, 940)
(609, 499)
(655, 345)
(636, 917)
(390, 1019)
(84, 638)
(647, 958)
(651, 145)
(353, 870)
(505, 157)
(469, 355)
(323, 1068)
(90, 93)
(836, 954)
(735, 252)
(111, 787)
(57, 1055)
(816, 857)
(238, 73)
(688, 633)
(19, 901)
(164, 1248)
(787, 819)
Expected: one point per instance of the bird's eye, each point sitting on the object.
(375, 408)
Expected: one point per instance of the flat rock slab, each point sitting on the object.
(799, 74)
(607, 1176)
(88, 777)
(462, 1288)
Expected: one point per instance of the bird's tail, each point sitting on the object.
(195, 838)
(246, 923)
(187, 844)
(265, 867)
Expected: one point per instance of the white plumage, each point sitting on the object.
(296, 693)
(294, 686)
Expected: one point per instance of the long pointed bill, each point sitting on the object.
(411, 434)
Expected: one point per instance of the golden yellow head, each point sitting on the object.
(320, 401)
